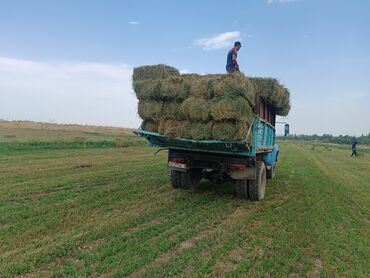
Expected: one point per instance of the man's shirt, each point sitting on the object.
(230, 67)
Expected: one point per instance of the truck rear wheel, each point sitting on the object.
(184, 180)
(257, 187)
(175, 179)
(241, 187)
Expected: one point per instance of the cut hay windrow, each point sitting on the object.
(203, 107)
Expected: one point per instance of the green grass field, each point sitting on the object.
(82, 203)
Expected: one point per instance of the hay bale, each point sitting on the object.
(147, 89)
(196, 130)
(173, 128)
(283, 106)
(154, 72)
(150, 110)
(230, 108)
(172, 111)
(185, 131)
(195, 109)
(274, 93)
(199, 86)
(229, 130)
(236, 84)
(174, 88)
(149, 126)
(162, 126)
(219, 130)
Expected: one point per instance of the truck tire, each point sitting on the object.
(257, 187)
(241, 187)
(175, 179)
(270, 173)
(190, 178)
(184, 180)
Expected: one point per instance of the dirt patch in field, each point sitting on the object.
(316, 269)
(91, 245)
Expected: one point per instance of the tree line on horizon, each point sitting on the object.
(328, 138)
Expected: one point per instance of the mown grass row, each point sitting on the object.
(9, 147)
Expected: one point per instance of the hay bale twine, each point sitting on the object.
(150, 110)
(160, 71)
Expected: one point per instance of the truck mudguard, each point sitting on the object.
(271, 157)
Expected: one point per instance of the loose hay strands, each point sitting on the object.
(154, 72)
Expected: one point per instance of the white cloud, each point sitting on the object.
(77, 92)
(134, 22)
(219, 41)
(280, 1)
(184, 71)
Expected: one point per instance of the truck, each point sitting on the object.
(248, 165)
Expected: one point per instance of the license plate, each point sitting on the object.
(176, 165)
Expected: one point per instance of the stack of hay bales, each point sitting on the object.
(202, 107)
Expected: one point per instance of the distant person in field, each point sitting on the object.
(354, 148)
(232, 58)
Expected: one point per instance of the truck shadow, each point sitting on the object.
(224, 189)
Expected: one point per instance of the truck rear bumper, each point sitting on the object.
(237, 167)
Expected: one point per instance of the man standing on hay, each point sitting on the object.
(232, 63)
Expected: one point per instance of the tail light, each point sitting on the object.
(236, 166)
(177, 163)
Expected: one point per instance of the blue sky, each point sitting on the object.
(71, 61)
